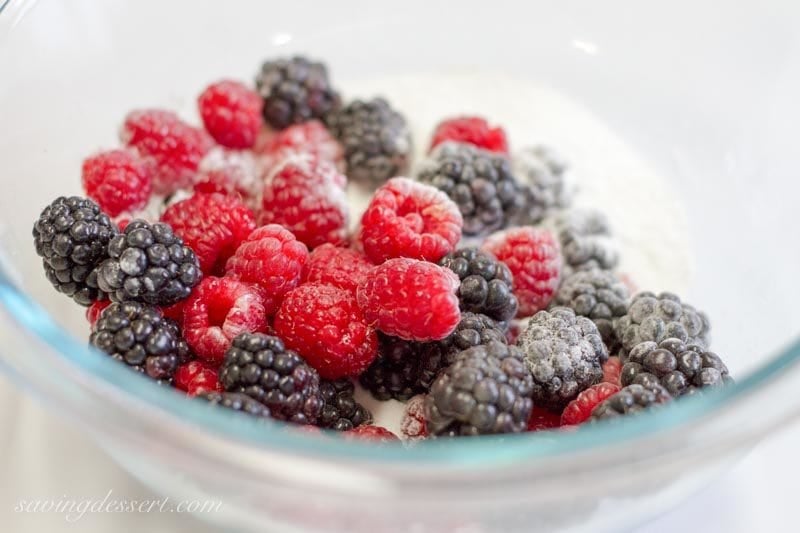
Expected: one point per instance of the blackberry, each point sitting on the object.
(395, 372)
(295, 90)
(376, 140)
(260, 366)
(140, 336)
(586, 240)
(487, 390)
(543, 174)
(71, 236)
(237, 402)
(630, 400)
(565, 354)
(480, 183)
(485, 284)
(148, 263)
(655, 318)
(340, 410)
(679, 368)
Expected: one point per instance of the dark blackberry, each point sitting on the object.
(395, 372)
(260, 366)
(565, 354)
(586, 240)
(485, 284)
(486, 390)
(142, 337)
(543, 175)
(340, 410)
(679, 368)
(237, 402)
(376, 140)
(480, 183)
(72, 235)
(630, 400)
(148, 263)
(295, 90)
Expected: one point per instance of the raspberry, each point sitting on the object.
(213, 225)
(311, 138)
(411, 299)
(612, 370)
(372, 433)
(272, 258)
(413, 426)
(543, 419)
(218, 310)
(470, 130)
(532, 255)
(171, 147)
(340, 267)
(580, 409)
(230, 172)
(409, 219)
(94, 310)
(175, 311)
(117, 180)
(231, 113)
(325, 325)
(197, 377)
(303, 196)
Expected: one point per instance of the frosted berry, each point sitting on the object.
(544, 178)
(231, 172)
(310, 138)
(231, 113)
(413, 426)
(580, 409)
(341, 267)
(631, 400)
(470, 130)
(117, 180)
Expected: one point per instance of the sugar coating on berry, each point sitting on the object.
(413, 426)
(197, 377)
(231, 172)
(408, 219)
(543, 419)
(375, 434)
(411, 299)
(543, 175)
(231, 113)
(218, 310)
(341, 267)
(311, 138)
(586, 239)
(325, 325)
(580, 409)
(117, 180)
(533, 257)
(470, 130)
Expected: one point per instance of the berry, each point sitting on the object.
(586, 240)
(408, 219)
(117, 180)
(310, 138)
(340, 267)
(218, 310)
(148, 263)
(272, 258)
(94, 310)
(395, 371)
(656, 318)
(340, 410)
(261, 367)
(295, 90)
(543, 420)
(237, 402)
(480, 183)
(470, 130)
(679, 368)
(71, 236)
(487, 390)
(230, 172)
(580, 409)
(413, 426)
(325, 325)
(630, 400)
(532, 255)
(612, 370)
(141, 337)
(372, 433)
(171, 148)
(303, 196)
(231, 113)
(411, 299)
(564, 353)
(543, 174)
(486, 283)
(197, 377)
(376, 140)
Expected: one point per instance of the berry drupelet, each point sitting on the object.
(395, 372)
(340, 410)
(630, 400)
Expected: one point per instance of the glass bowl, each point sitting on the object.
(704, 92)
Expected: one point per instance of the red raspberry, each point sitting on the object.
(534, 258)
(231, 113)
(117, 180)
(413, 426)
(325, 325)
(310, 137)
(340, 267)
(171, 147)
(231, 172)
(580, 409)
(217, 311)
(94, 310)
(197, 377)
(409, 219)
(411, 299)
(612, 369)
(175, 311)
(213, 225)
(272, 258)
(543, 419)
(371, 433)
(470, 130)
(513, 332)
(302, 196)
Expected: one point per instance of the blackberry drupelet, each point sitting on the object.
(260, 366)
(630, 400)
(376, 140)
(586, 240)
(148, 263)
(71, 236)
(485, 283)
(140, 336)
(679, 368)
(487, 390)
(543, 174)
(237, 402)
(295, 90)
(395, 372)
(565, 354)
(340, 410)
(481, 184)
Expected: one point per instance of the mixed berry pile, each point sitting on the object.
(220, 260)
